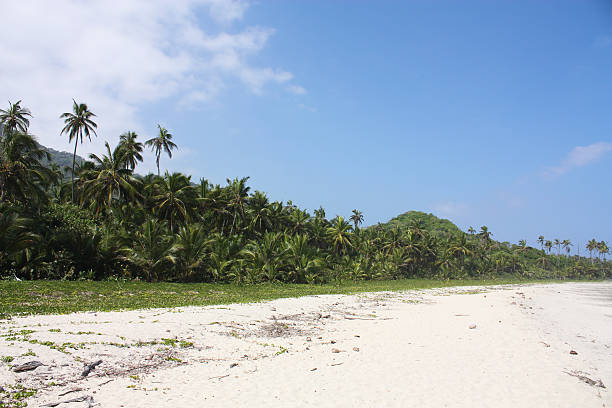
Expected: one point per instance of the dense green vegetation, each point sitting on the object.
(437, 226)
(41, 297)
(107, 222)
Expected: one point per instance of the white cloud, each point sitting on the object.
(296, 89)
(307, 107)
(579, 156)
(120, 56)
(449, 209)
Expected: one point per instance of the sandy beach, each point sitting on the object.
(503, 346)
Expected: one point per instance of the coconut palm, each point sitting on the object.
(15, 234)
(238, 193)
(22, 176)
(339, 233)
(175, 199)
(265, 256)
(132, 149)
(548, 245)
(567, 245)
(77, 123)
(161, 143)
(541, 241)
(591, 246)
(356, 218)
(190, 250)
(109, 179)
(485, 236)
(602, 248)
(15, 118)
(150, 250)
(259, 212)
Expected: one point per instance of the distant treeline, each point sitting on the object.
(106, 222)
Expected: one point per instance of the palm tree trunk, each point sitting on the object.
(73, 162)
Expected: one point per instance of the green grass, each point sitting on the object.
(46, 297)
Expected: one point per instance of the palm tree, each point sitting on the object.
(485, 236)
(77, 122)
(591, 246)
(567, 245)
(541, 241)
(356, 218)
(15, 233)
(557, 243)
(22, 176)
(15, 118)
(522, 249)
(339, 234)
(190, 246)
(109, 178)
(132, 149)
(265, 256)
(161, 143)
(602, 248)
(259, 212)
(150, 249)
(471, 231)
(548, 245)
(175, 198)
(238, 193)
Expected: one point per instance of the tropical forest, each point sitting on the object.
(99, 219)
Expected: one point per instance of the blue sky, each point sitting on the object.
(487, 113)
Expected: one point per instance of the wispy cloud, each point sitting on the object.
(580, 156)
(118, 58)
(307, 107)
(449, 209)
(296, 89)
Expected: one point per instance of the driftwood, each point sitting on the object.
(90, 367)
(218, 377)
(70, 391)
(584, 378)
(29, 366)
(87, 398)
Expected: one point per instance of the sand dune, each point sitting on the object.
(462, 347)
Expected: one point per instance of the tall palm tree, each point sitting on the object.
(485, 236)
(548, 245)
(602, 248)
(109, 178)
(356, 218)
(132, 149)
(567, 245)
(22, 176)
(238, 193)
(77, 122)
(161, 143)
(15, 118)
(557, 243)
(340, 234)
(541, 241)
(591, 246)
(175, 199)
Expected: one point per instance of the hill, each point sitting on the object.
(429, 222)
(61, 159)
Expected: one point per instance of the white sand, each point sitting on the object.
(410, 349)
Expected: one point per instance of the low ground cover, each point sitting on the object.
(46, 297)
